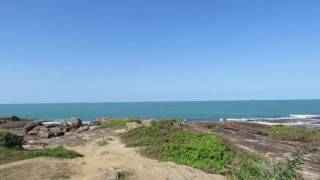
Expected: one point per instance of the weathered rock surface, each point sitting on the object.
(30, 125)
(147, 123)
(64, 124)
(112, 174)
(133, 125)
(44, 132)
(34, 131)
(83, 128)
(56, 131)
(75, 122)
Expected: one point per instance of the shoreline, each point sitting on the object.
(249, 136)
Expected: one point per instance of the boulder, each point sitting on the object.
(133, 125)
(34, 131)
(147, 123)
(44, 132)
(75, 122)
(83, 128)
(56, 131)
(64, 124)
(30, 125)
(14, 118)
(113, 174)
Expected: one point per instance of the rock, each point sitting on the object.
(56, 131)
(30, 125)
(83, 128)
(133, 125)
(34, 131)
(44, 133)
(14, 118)
(102, 119)
(95, 123)
(64, 124)
(147, 123)
(113, 174)
(75, 122)
(92, 127)
(50, 125)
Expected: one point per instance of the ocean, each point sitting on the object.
(192, 110)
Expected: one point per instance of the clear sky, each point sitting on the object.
(146, 50)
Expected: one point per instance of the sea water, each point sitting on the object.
(192, 111)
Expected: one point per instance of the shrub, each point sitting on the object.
(10, 140)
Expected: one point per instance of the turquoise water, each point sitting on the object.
(206, 110)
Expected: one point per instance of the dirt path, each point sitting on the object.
(98, 161)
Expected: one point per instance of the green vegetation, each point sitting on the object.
(11, 150)
(10, 140)
(295, 133)
(118, 122)
(9, 155)
(166, 140)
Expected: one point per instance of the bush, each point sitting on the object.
(10, 140)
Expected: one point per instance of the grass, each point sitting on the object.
(118, 122)
(10, 155)
(166, 140)
(295, 133)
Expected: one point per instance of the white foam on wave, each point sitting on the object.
(304, 116)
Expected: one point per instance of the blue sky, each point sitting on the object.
(142, 50)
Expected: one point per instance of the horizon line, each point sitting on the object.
(158, 101)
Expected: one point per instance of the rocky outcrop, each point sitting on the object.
(30, 125)
(133, 125)
(75, 123)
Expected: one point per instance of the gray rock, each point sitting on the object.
(64, 123)
(113, 174)
(83, 128)
(44, 133)
(147, 123)
(56, 131)
(30, 125)
(35, 131)
(133, 125)
(75, 122)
